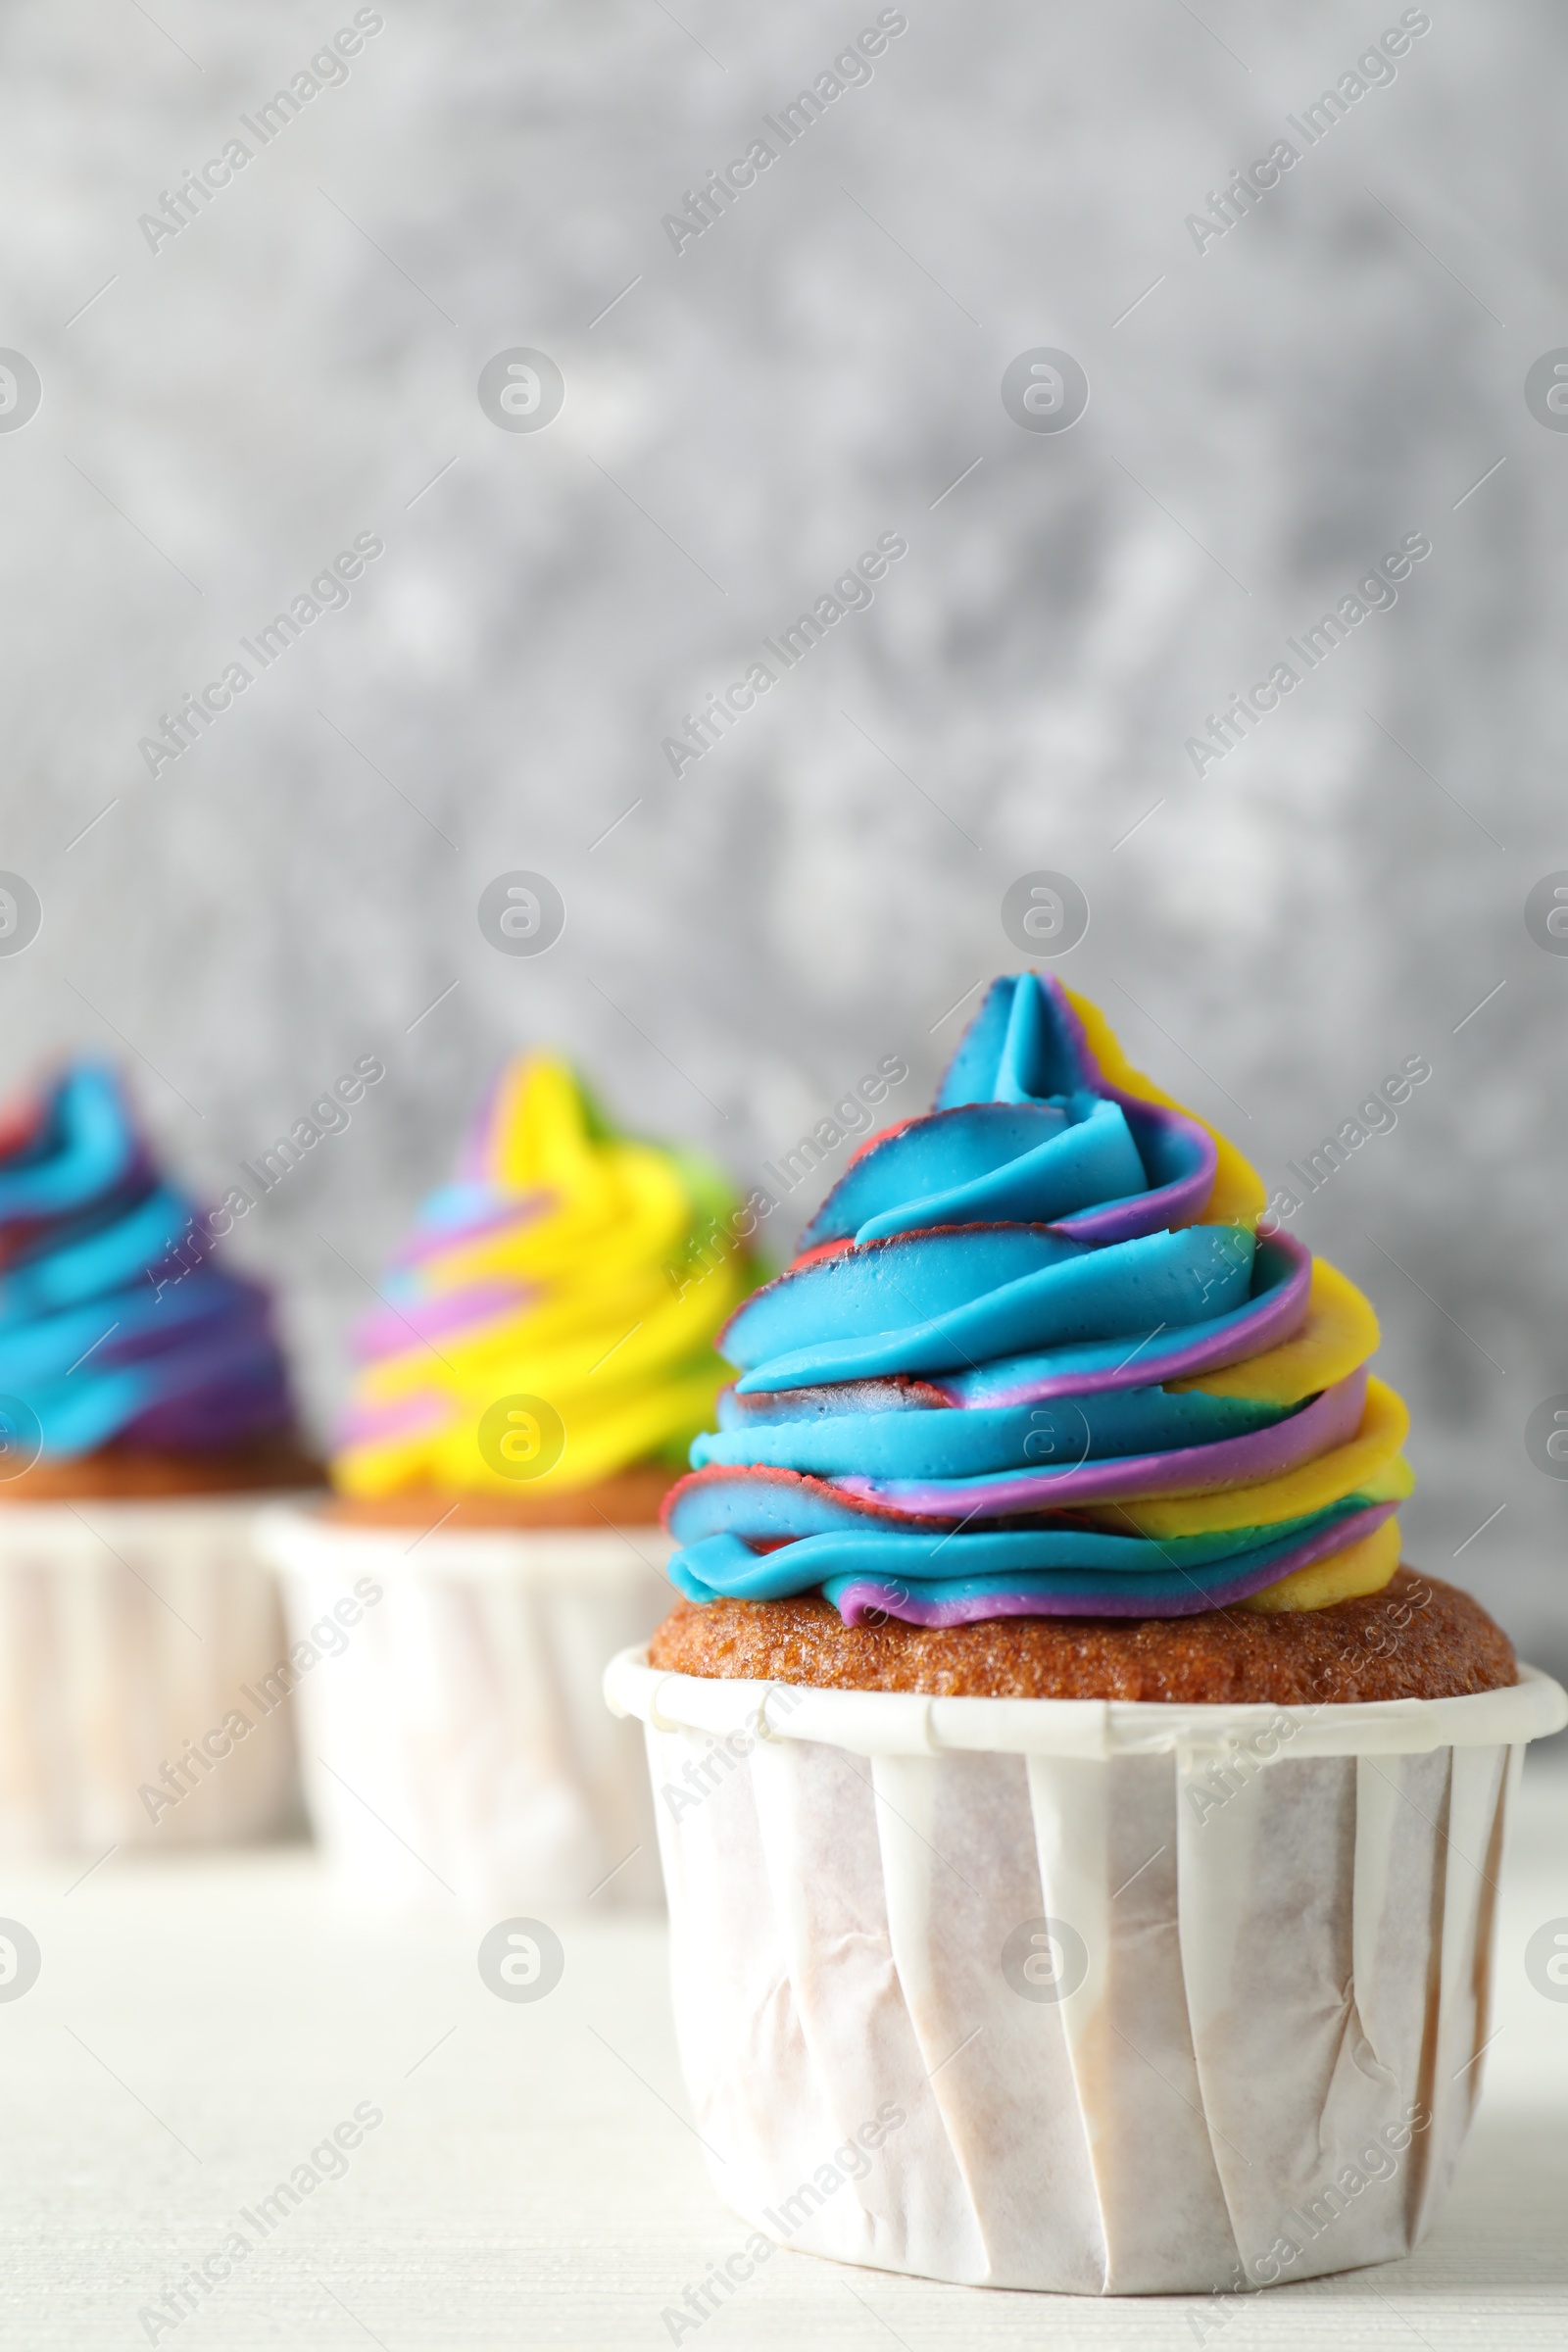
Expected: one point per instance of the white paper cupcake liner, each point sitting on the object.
(459, 1739)
(1101, 1998)
(136, 1641)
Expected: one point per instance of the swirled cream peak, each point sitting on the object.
(1035, 1358)
(116, 1326)
(544, 1272)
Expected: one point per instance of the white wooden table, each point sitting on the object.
(198, 2027)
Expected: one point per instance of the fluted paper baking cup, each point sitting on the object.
(454, 1738)
(136, 1638)
(1158, 1998)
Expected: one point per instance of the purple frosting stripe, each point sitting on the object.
(857, 1600)
(409, 1417)
(1179, 1202)
(387, 1331)
(1331, 1419)
(436, 1240)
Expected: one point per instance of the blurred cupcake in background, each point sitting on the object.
(144, 1407)
(524, 1397)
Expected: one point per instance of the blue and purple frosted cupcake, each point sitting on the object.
(144, 1410)
(131, 1362)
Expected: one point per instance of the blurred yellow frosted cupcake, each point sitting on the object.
(540, 1362)
(540, 1353)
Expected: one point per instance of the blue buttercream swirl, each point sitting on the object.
(954, 1398)
(114, 1325)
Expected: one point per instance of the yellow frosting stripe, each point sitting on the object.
(1363, 1567)
(1341, 1333)
(1368, 1464)
(1239, 1197)
(539, 1129)
(633, 1332)
(1393, 1482)
(570, 1265)
(604, 1432)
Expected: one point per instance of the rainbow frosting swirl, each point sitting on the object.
(114, 1325)
(556, 1268)
(1035, 1358)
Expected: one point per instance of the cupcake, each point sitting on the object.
(144, 1407)
(1081, 1830)
(524, 1393)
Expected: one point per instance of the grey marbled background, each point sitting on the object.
(299, 364)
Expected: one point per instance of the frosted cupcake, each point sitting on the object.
(541, 1362)
(144, 1408)
(1052, 1751)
